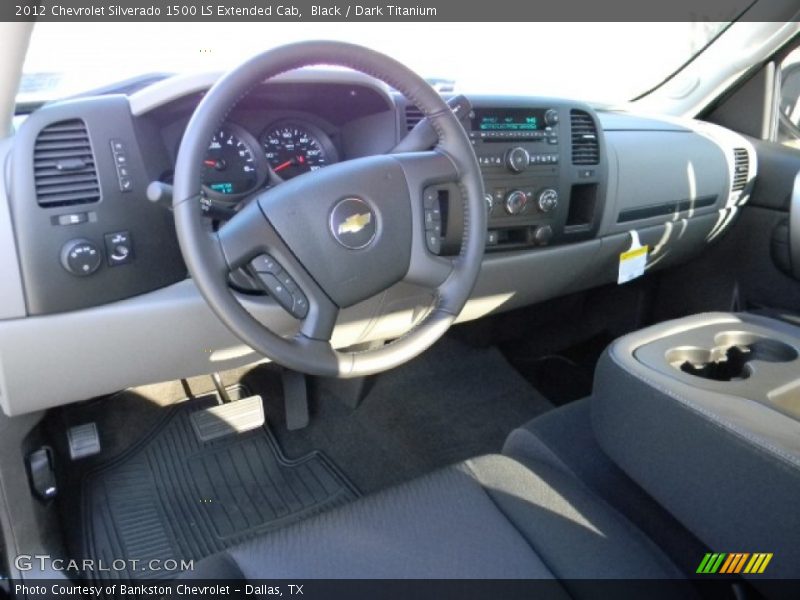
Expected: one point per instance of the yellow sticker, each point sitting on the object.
(635, 253)
(632, 263)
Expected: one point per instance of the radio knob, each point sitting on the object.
(516, 202)
(551, 117)
(548, 200)
(517, 159)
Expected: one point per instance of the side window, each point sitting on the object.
(789, 107)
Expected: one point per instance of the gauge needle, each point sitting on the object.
(282, 166)
(210, 163)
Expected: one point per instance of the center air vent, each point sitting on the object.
(63, 165)
(413, 116)
(585, 146)
(741, 169)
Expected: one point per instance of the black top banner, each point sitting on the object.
(396, 10)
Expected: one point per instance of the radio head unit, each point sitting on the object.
(512, 119)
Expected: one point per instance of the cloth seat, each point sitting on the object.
(490, 517)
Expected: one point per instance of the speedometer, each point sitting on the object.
(231, 165)
(293, 148)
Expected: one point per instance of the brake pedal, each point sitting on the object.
(229, 418)
(84, 440)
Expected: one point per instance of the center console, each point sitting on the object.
(544, 172)
(704, 414)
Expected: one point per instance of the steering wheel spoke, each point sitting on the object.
(245, 236)
(250, 241)
(424, 170)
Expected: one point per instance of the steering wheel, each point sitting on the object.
(333, 237)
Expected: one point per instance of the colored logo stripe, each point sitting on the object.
(731, 563)
(734, 563)
(711, 562)
(758, 563)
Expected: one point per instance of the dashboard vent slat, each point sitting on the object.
(585, 145)
(63, 165)
(741, 169)
(413, 116)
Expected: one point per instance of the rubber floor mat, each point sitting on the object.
(174, 498)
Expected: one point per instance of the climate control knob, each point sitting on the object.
(517, 159)
(548, 200)
(489, 203)
(81, 257)
(516, 202)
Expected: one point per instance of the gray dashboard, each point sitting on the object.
(678, 183)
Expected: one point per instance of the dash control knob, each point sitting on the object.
(517, 159)
(516, 202)
(489, 199)
(81, 257)
(551, 117)
(548, 200)
(543, 235)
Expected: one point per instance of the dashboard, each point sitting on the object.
(94, 273)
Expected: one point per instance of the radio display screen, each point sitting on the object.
(508, 119)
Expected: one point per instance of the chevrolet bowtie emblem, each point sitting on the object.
(354, 223)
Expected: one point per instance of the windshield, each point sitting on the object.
(601, 62)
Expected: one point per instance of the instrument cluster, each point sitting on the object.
(238, 163)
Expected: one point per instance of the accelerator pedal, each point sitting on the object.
(225, 419)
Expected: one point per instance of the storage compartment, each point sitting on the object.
(582, 203)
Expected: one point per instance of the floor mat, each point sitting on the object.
(453, 402)
(171, 497)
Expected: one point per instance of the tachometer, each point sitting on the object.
(231, 165)
(293, 148)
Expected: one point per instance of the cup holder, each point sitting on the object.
(729, 359)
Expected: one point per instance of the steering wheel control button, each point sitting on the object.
(432, 208)
(265, 264)
(285, 292)
(81, 257)
(119, 248)
(433, 217)
(300, 307)
(433, 241)
(277, 290)
(280, 285)
(353, 223)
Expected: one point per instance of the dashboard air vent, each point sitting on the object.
(585, 145)
(741, 169)
(63, 165)
(413, 116)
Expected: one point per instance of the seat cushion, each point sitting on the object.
(490, 517)
(564, 439)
